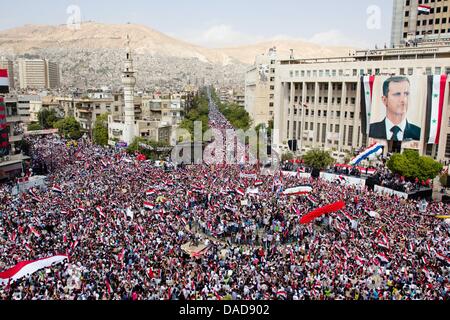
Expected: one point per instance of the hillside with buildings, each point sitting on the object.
(92, 55)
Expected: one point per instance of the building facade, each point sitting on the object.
(318, 101)
(38, 74)
(260, 88)
(410, 23)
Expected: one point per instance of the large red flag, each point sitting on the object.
(321, 211)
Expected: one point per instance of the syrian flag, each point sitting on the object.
(382, 257)
(360, 261)
(27, 268)
(4, 81)
(81, 209)
(28, 247)
(37, 199)
(424, 261)
(150, 192)
(312, 200)
(121, 255)
(304, 190)
(27, 211)
(12, 236)
(240, 192)
(373, 149)
(443, 257)
(426, 271)
(258, 183)
(424, 9)
(34, 231)
(100, 211)
(348, 216)
(366, 102)
(282, 295)
(57, 189)
(435, 106)
(149, 206)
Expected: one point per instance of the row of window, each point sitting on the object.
(322, 134)
(324, 100)
(324, 113)
(362, 72)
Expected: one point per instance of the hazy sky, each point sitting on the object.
(224, 23)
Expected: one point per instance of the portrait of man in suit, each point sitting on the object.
(395, 127)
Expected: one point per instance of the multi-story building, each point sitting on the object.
(420, 20)
(260, 88)
(8, 65)
(38, 74)
(24, 106)
(11, 165)
(167, 111)
(318, 101)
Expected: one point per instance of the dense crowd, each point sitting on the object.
(385, 178)
(256, 247)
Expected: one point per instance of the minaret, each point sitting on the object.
(129, 81)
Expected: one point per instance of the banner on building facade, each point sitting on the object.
(393, 108)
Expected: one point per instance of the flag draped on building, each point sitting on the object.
(366, 102)
(4, 81)
(435, 107)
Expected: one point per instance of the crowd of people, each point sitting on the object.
(256, 248)
(386, 178)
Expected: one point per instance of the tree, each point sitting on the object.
(47, 118)
(100, 133)
(318, 159)
(410, 165)
(34, 126)
(69, 128)
(150, 151)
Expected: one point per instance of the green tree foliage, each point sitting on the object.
(47, 118)
(135, 146)
(318, 159)
(198, 112)
(69, 128)
(411, 165)
(100, 132)
(236, 115)
(34, 126)
(287, 157)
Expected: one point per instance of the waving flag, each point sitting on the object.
(56, 189)
(303, 190)
(240, 192)
(149, 206)
(34, 231)
(100, 211)
(27, 268)
(282, 295)
(424, 9)
(443, 257)
(258, 183)
(150, 192)
(322, 211)
(360, 261)
(373, 149)
(382, 257)
(81, 209)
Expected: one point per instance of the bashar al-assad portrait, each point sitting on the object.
(396, 110)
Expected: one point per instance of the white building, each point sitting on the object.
(38, 74)
(318, 101)
(260, 88)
